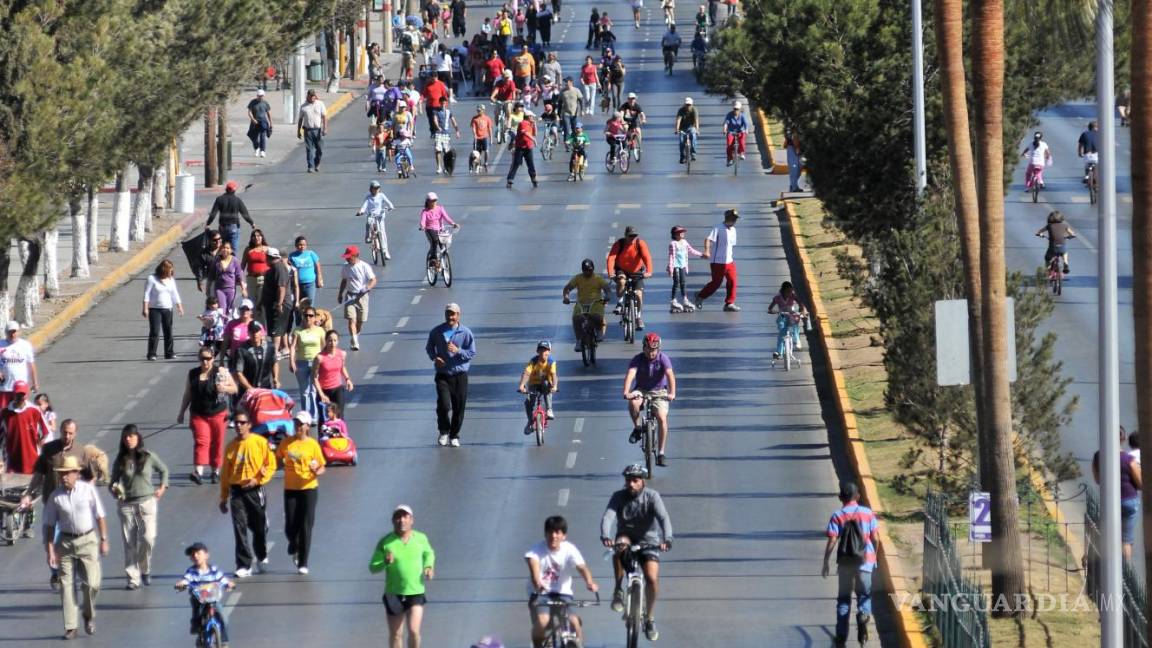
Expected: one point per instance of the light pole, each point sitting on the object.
(918, 98)
(1111, 607)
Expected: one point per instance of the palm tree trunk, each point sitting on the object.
(1141, 124)
(988, 84)
(948, 18)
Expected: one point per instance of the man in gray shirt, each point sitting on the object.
(639, 516)
(259, 123)
(311, 127)
(571, 105)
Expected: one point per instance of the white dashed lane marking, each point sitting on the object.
(387, 347)
(371, 372)
(416, 300)
(562, 498)
(571, 461)
(578, 426)
(402, 322)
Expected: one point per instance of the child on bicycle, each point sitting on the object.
(578, 142)
(381, 143)
(402, 145)
(790, 312)
(550, 120)
(539, 375)
(212, 322)
(679, 250)
(200, 573)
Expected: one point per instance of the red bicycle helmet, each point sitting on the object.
(651, 341)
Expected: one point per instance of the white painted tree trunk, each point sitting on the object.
(159, 198)
(28, 290)
(92, 225)
(121, 213)
(49, 239)
(142, 203)
(5, 294)
(79, 238)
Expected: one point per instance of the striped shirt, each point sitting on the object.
(194, 576)
(868, 525)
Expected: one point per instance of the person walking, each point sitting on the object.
(451, 348)
(136, 497)
(75, 531)
(795, 158)
(255, 366)
(590, 81)
(853, 527)
(254, 261)
(18, 358)
(278, 298)
(593, 28)
(227, 279)
(259, 124)
(330, 376)
(206, 394)
(407, 560)
(303, 464)
(160, 297)
(522, 153)
(312, 127)
(309, 273)
(718, 247)
(308, 341)
(248, 465)
(356, 280)
(23, 427)
(1131, 482)
(230, 208)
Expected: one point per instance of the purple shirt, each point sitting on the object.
(651, 374)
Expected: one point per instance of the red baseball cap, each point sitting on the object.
(20, 387)
(230, 186)
(351, 251)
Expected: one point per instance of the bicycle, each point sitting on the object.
(15, 521)
(439, 265)
(1055, 276)
(577, 165)
(635, 590)
(403, 161)
(589, 335)
(669, 58)
(1034, 180)
(617, 156)
(632, 143)
(210, 634)
(560, 631)
(501, 121)
(539, 410)
(649, 424)
(791, 324)
(733, 151)
(551, 139)
(686, 153)
(630, 309)
(375, 238)
(1092, 181)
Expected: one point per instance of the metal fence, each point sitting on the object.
(958, 608)
(1135, 597)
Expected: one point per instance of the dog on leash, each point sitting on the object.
(449, 161)
(474, 163)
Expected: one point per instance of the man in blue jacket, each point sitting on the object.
(451, 348)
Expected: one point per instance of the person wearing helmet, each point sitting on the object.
(633, 116)
(687, 127)
(735, 131)
(636, 515)
(577, 142)
(591, 291)
(615, 132)
(375, 207)
(630, 260)
(650, 375)
(552, 563)
(1039, 156)
(539, 376)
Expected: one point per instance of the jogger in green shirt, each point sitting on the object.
(407, 560)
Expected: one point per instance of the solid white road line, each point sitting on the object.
(119, 417)
(130, 404)
(354, 402)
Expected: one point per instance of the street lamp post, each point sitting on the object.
(918, 98)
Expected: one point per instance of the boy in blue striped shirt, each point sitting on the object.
(200, 573)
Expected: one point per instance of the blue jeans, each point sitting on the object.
(784, 328)
(690, 132)
(313, 146)
(793, 169)
(1129, 518)
(851, 578)
(381, 158)
(232, 233)
(309, 401)
(568, 125)
(259, 135)
(308, 290)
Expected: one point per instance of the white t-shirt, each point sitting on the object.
(357, 276)
(16, 357)
(556, 568)
(1039, 154)
(723, 240)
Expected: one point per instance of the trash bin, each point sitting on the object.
(185, 193)
(316, 71)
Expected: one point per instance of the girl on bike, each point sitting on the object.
(1039, 156)
(433, 220)
(787, 305)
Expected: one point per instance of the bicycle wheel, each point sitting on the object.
(610, 162)
(735, 161)
(9, 529)
(1035, 191)
(635, 621)
(1093, 192)
(624, 162)
(592, 351)
(446, 268)
(629, 323)
(788, 348)
(538, 425)
(430, 273)
(377, 255)
(213, 639)
(650, 447)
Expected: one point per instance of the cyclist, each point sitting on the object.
(639, 517)
(402, 137)
(433, 220)
(782, 305)
(504, 92)
(629, 255)
(634, 116)
(376, 206)
(637, 5)
(1057, 232)
(578, 142)
(551, 564)
(650, 374)
(549, 91)
(1039, 156)
(699, 48)
(1087, 149)
(735, 131)
(670, 44)
(615, 131)
(539, 375)
(688, 125)
(701, 20)
(550, 121)
(592, 289)
(202, 572)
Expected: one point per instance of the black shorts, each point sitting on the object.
(481, 145)
(649, 554)
(278, 322)
(398, 604)
(637, 283)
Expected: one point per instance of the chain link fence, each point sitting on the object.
(956, 603)
(1135, 596)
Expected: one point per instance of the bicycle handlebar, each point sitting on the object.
(556, 602)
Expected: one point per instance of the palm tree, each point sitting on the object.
(988, 86)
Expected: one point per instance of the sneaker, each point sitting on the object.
(196, 478)
(650, 630)
(243, 572)
(579, 348)
(262, 566)
(742, 157)
(618, 601)
(693, 157)
(215, 476)
(550, 414)
(54, 582)
(639, 324)
(729, 163)
(1066, 269)
(697, 301)
(28, 533)
(509, 185)
(455, 443)
(147, 578)
(303, 571)
(534, 183)
(439, 170)
(775, 355)
(681, 159)
(355, 346)
(800, 344)
(443, 440)
(617, 309)
(635, 436)
(732, 308)
(661, 460)
(862, 629)
(309, 169)
(528, 428)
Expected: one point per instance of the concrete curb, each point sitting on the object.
(761, 119)
(891, 565)
(45, 334)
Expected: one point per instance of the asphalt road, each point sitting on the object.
(751, 482)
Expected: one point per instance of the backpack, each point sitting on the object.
(851, 548)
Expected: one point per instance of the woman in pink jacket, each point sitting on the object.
(679, 249)
(433, 220)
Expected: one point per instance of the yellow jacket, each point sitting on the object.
(246, 459)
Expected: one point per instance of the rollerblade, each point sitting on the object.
(689, 307)
(675, 307)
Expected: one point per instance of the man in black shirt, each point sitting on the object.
(254, 365)
(278, 298)
(231, 209)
